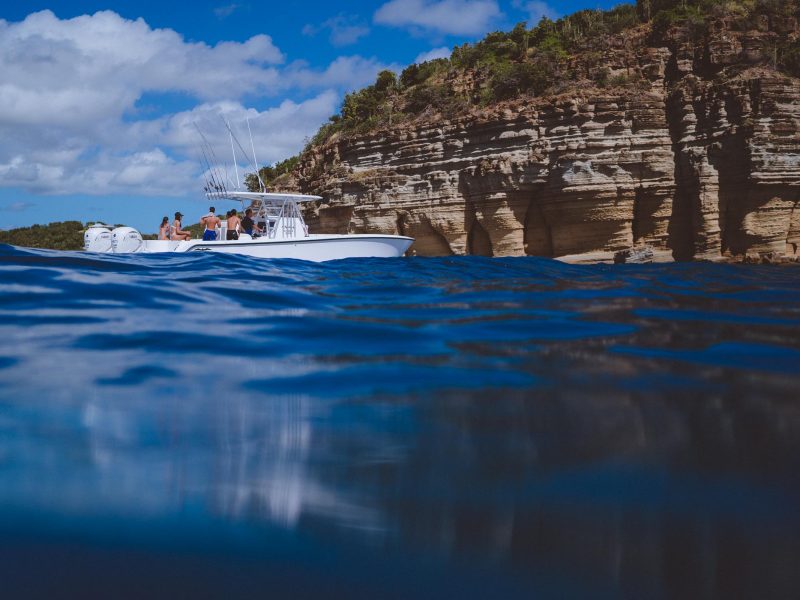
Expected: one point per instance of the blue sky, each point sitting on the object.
(98, 99)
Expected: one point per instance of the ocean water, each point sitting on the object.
(218, 426)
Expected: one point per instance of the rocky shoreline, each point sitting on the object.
(768, 258)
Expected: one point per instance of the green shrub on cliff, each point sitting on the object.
(692, 17)
(269, 174)
(694, 14)
(415, 74)
(514, 79)
(364, 109)
(780, 51)
(620, 18)
(423, 96)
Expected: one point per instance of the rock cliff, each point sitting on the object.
(695, 152)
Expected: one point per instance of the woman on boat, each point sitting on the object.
(177, 232)
(234, 225)
(164, 230)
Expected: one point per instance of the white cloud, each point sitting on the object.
(443, 52)
(536, 10)
(344, 30)
(278, 132)
(69, 120)
(93, 67)
(451, 17)
(139, 161)
(145, 173)
(226, 11)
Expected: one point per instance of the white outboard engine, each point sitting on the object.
(125, 240)
(97, 238)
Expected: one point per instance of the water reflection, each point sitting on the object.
(264, 467)
(642, 492)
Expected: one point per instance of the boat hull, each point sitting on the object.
(316, 248)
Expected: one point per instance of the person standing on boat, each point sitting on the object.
(177, 232)
(248, 225)
(211, 222)
(163, 230)
(234, 225)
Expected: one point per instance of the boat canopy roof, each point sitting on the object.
(267, 196)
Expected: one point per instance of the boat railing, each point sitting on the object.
(279, 212)
(280, 217)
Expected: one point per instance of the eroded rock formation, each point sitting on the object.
(699, 159)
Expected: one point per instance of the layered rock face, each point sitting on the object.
(697, 159)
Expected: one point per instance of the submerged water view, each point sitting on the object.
(208, 425)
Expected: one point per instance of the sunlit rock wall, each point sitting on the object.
(697, 159)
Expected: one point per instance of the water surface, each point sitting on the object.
(203, 425)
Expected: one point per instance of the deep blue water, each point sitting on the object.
(201, 425)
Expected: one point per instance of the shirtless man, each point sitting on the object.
(234, 225)
(211, 222)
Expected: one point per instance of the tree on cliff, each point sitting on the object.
(269, 174)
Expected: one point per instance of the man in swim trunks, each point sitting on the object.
(248, 225)
(234, 225)
(211, 222)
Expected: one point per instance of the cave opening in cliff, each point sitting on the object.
(478, 241)
(428, 241)
(537, 234)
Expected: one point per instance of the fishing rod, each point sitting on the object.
(219, 184)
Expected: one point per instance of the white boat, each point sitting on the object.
(285, 235)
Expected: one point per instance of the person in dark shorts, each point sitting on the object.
(248, 225)
(234, 225)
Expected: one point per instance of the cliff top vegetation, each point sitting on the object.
(547, 58)
(534, 61)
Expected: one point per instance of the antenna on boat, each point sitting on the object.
(242, 150)
(253, 146)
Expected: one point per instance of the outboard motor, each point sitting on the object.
(97, 238)
(125, 240)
